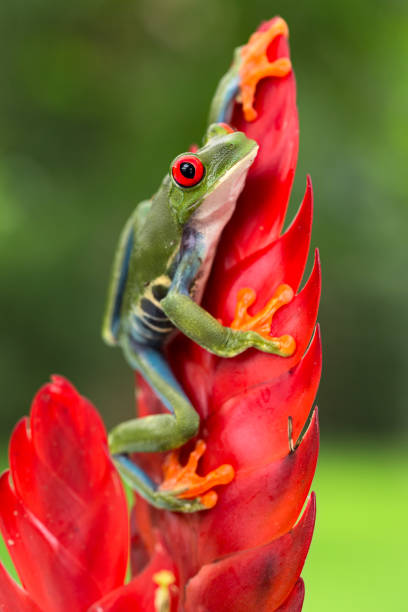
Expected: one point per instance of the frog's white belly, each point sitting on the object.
(214, 213)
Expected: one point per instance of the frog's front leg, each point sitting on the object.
(245, 331)
(182, 489)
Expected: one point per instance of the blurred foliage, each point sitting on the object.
(97, 97)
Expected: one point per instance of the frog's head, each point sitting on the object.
(204, 185)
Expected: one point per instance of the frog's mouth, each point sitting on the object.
(215, 211)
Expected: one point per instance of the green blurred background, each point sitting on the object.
(95, 98)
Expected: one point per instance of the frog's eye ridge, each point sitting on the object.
(187, 170)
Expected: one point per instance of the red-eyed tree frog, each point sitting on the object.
(162, 263)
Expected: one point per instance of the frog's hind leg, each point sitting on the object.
(228, 88)
(159, 432)
(183, 490)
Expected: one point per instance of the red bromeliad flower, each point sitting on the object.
(62, 508)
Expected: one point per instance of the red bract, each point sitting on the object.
(248, 551)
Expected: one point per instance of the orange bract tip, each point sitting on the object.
(187, 484)
(256, 66)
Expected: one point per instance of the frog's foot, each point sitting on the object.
(183, 483)
(255, 65)
(262, 321)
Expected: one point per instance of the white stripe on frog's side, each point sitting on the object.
(213, 214)
(149, 324)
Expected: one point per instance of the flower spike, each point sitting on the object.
(245, 403)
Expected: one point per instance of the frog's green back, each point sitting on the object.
(147, 244)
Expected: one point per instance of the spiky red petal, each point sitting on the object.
(294, 602)
(262, 503)
(260, 578)
(264, 437)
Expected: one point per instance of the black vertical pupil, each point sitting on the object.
(187, 170)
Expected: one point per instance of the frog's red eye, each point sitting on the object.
(187, 170)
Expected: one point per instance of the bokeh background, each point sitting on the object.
(96, 97)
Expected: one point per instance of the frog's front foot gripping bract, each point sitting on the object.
(162, 263)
